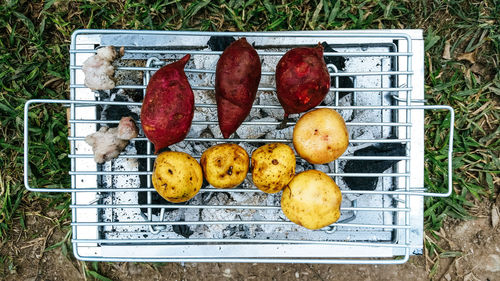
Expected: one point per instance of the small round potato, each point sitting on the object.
(312, 199)
(320, 136)
(273, 166)
(225, 165)
(177, 176)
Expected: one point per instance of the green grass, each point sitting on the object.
(34, 39)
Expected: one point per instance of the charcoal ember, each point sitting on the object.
(303, 165)
(270, 98)
(183, 146)
(245, 198)
(155, 199)
(339, 62)
(371, 166)
(256, 113)
(216, 230)
(215, 131)
(285, 133)
(195, 130)
(248, 147)
(220, 43)
(116, 112)
(126, 77)
(205, 113)
(254, 132)
(323, 168)
(183, 230)
(241, 231)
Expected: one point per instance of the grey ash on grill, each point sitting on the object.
(263, 133)
(339, 62)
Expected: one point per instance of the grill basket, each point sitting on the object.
(115, 212)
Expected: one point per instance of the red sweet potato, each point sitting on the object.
(237, 78)
(168, 107)
(302, 79)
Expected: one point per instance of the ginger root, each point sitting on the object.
(107, 143)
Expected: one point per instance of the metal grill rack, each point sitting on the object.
(385, 105)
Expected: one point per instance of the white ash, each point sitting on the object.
(216, 230)
(345, 101)
(370, 98)
(127, 77)
(204, 97)
(216, 132)
(183, 146)
(256, 131)
(98, 69)
(196, 129)
(331, 166)
(249, 147)
(258, 198)
(255, 112)
(286, 133)
(205, 62)
(303, 165)
(122, 181)
(270, 98)
(323, 168)
(330, 98)
(365, 135)
(268, 64)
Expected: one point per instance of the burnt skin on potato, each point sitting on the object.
(168, 107)
(237, 78)
(302, 79)
(225, 165)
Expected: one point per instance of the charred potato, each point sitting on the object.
(273, 166)
(320, 136)
(177, 176)
(225, 165)
(312, 199)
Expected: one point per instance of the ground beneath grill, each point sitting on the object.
(24, 258)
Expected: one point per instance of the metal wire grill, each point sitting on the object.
(104, 219)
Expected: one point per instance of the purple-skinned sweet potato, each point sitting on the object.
(302, 79)
(237, 78)
(168, 107)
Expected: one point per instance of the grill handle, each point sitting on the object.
(89, 103)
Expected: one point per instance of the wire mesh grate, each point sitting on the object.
(115, 204)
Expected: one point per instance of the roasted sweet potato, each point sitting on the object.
(302, 79)
(237, 78)
(168, 107)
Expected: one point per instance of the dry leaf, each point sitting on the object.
(494, 216)
(446, 51)
(471, 277)
(483, 107)
(483, 70)
(470, 57)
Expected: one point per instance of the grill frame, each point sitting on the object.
(405, 243)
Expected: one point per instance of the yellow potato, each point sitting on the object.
(225, 165)
(320, 136)
(177, 176)
(312, 199)
(273, 166)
